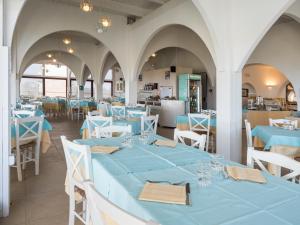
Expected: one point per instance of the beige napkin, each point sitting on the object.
(249, 174)
(134, 119)
(104, 149)
(166, 143)
(165, 193)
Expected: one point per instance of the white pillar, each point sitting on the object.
(131, 90)
(229, 110)
(98, 92)
(4, 130)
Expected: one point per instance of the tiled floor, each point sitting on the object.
(41, 200)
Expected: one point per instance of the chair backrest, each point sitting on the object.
(199, 122)
(107, 132)
(104, 212)
(134, 113)
(28, 129)
(280, 122)
(149, 123)
(29, 107)
(153, 109)
(248, 134)
(118, 111)
(95, 113)
(78, 159)
(23, 113)
(197, 140)
(97, 121)
(255, 156)
(105, 108)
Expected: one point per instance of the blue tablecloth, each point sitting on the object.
(135, 124)
(272, 136)
(184, 119)
(83, 103)
(121, 176)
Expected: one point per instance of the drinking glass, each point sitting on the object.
(204, 174)
(217, 163)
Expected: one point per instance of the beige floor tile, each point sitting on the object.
(17, 213)
(61, 219)
(48, 205)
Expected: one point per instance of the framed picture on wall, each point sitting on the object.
(167, 75)
(245, 92)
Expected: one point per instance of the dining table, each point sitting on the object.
(45, 139)
(121, 176)
(278, 140)
(106, 109)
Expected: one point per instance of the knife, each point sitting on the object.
(187, 192)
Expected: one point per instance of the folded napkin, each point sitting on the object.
(166, 143)
(133, 119)
(248, 174)
(164, 193)
(104, 149)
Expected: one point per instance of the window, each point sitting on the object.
(55, 88)
(107, 89)
(88, 89)
(108, 76)
(35, 70)
(56, 70)
(31, 87)
(74, 89)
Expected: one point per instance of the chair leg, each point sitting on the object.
(72, 206)
(18, 162)
(37, 159)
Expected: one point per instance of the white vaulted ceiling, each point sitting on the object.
(138, 8)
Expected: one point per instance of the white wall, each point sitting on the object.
(158, 76)
(267, 80)
(280, 48)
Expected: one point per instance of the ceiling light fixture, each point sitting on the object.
(104, 23)
(54, 60)
(49, 55)
(71, 50)
(67, 41)
(86, 5)
(153, 55)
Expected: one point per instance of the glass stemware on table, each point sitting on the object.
(214, 169)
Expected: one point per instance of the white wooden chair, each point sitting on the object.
(97, 121)
(149, 124)
(104, 212)
(23, 113)
(134, 113)
(200, 123)
(279, 122)
(248, 134)
(118, 111)
(78, 159)
(197, 140)
(28, 136)
(28, 107)
(105, 108)
(258, 157)
(76, 110)
(107, 132)
(153, 110)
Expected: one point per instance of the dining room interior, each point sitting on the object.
(148, 112)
